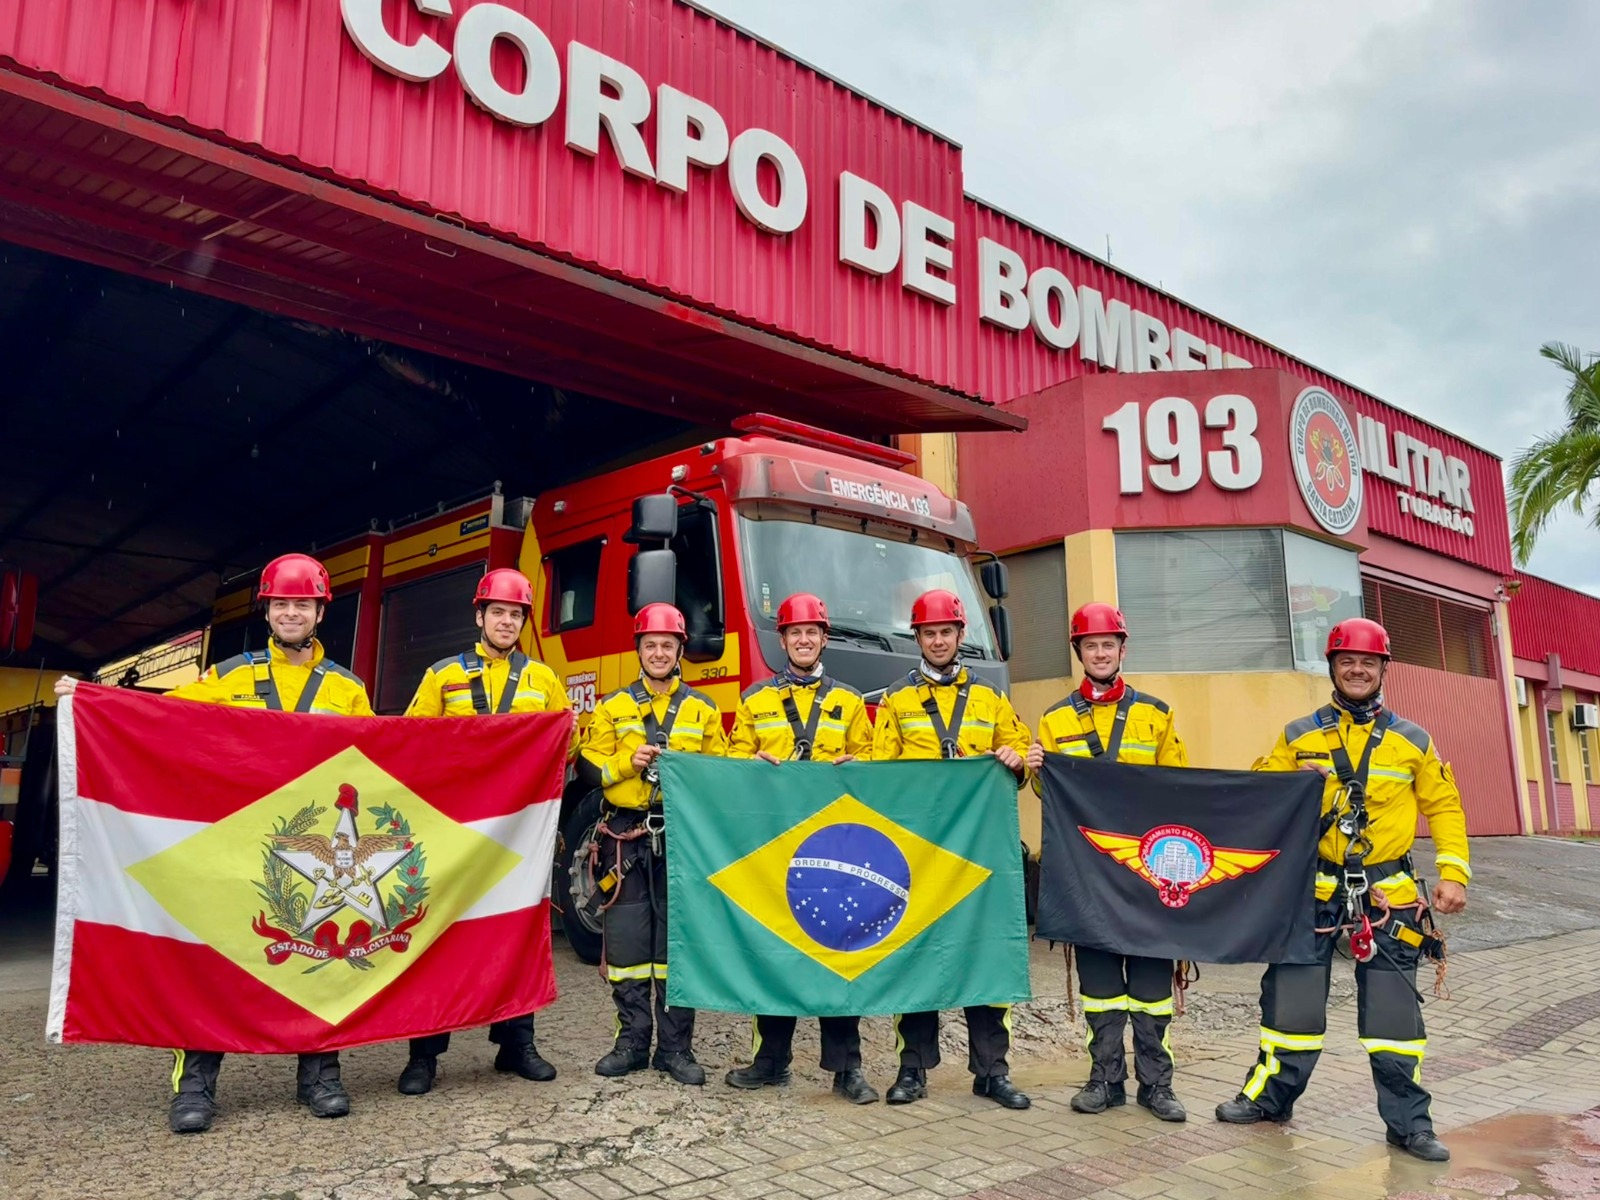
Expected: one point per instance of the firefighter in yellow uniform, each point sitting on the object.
(941, 711)
(801, 714)
(293, 674)
(1107, 717)
(628, 732)
(493, 677)
(1381, 771)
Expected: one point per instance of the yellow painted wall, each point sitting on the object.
(936, 459)
(17, 687)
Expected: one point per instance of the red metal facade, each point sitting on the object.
(1001, 365)
(283, 76)
(1465, 716)
(1547, 618)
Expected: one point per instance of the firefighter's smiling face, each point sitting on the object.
(293, 621)
(940, 643)
(501, 624)
(1358, 676)
(658, 654)
(1101, 655)
(803, 644)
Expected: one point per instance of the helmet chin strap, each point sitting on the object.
(297, 647)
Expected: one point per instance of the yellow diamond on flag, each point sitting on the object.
(848, 887)
(330, 887)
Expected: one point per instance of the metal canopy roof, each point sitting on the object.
(212, 358)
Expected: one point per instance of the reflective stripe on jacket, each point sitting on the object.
(446, 690)
(762, 724)
(617, 729)
(1149, 736)
(233, 683)
(905, 730)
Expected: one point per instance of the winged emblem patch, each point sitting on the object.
(1176, 860)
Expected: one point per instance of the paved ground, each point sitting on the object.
(1511, 1062)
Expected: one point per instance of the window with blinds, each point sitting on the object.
(1427, 631)
(1205, 600)
(1038, 606)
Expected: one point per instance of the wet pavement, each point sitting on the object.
(1511, 1062)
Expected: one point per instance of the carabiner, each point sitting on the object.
(1362, 945)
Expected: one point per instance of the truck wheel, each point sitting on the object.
(571, 885)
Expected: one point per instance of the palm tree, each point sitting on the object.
(1561, 469)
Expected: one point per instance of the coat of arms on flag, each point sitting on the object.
(817, 890)
(275, 882)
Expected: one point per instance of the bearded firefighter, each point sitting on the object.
(1381, 772)
(495, 676)
(630, 730)
(293, 674)
(801, 715)
(1107, 718)
(941, 711)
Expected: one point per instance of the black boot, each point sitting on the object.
(191, 1112)
(1242, 1110)
(319, 1087)
(1158, 1098)
(680, 1064)
(911, 1084)
(417, 1078)
(526, 1061)
(1097, 1095)
(758, 1074)
(622, 1060)
(1001, 1090)
(1422, 1144)
(853, 1086)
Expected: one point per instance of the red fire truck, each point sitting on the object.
(725, 530)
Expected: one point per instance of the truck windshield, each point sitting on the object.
(867, 580)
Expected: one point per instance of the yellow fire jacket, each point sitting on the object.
(617, 729)
(1405, 777)
(446, 689)
(257, 678)
(906, 731)
(761, 722)
(1149, 734)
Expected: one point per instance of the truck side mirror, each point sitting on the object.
(19, 602)
(652, 578)
(655, 519)
(996, 579)
(1000, 619)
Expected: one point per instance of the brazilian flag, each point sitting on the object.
(808, 889)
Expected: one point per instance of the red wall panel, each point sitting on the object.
(1547, 618)
(1566, 814)
(1466, 717)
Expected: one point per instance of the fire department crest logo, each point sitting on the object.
(310, 876)
(1327, 465)
(1176, 860)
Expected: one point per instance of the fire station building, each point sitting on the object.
(273, 273)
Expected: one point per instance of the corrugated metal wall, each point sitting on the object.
(1465, 716)
(1547, 618)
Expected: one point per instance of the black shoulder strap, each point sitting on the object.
(805, 734)
(948, 735)
(657, 732)
(1353, 777)
(473, 665)
(1119, 722)
(308, 694)
(266, 686)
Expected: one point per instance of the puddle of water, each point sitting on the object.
(1515, 1157)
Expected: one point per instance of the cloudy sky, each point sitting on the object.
(1404, 193)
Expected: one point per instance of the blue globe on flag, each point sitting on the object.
(848, 886)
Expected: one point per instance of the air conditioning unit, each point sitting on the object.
(1522, 692)
(1586, 716)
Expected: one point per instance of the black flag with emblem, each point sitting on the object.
(1208, 866)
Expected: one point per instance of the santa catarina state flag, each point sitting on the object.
(811, 889)
(1208, 866)
(279, 883)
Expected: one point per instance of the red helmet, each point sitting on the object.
(660, 618)
(1097, 617)
(938, 607)
(505, 586)
(802, 608)
(1359, 636)
(294, 577)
